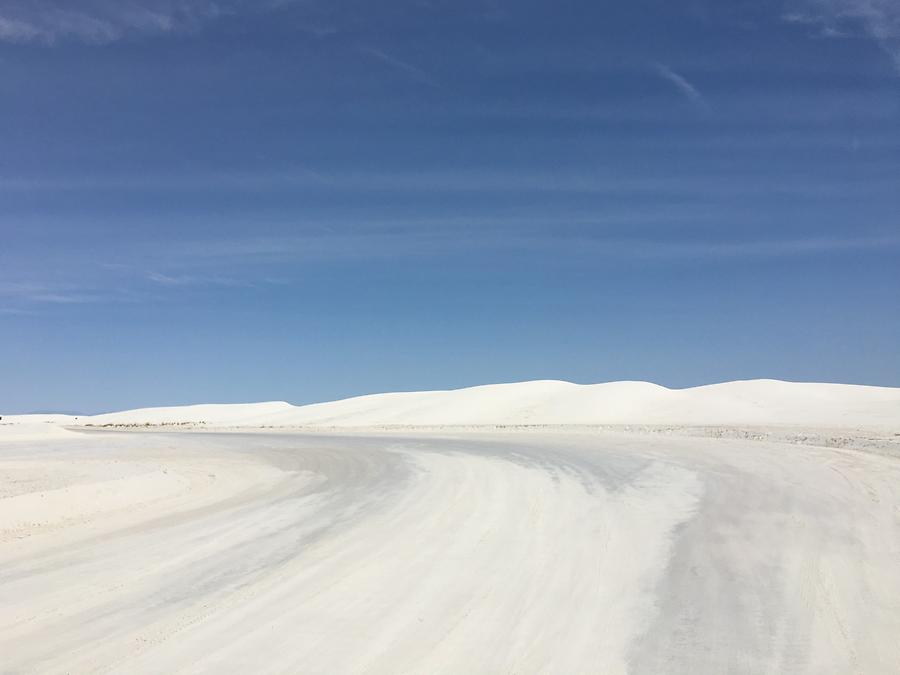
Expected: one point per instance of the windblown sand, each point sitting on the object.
(540, 551)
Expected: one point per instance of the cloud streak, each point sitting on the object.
(258, 258)
(688, 90)
(877, 19)
(48, 22)
(181, 280)
(414, 72)
(595, 180)
(29, 292)
(406, 242)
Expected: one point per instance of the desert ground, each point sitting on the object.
(528, 528)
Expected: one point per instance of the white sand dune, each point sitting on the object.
(32, 427)
(531, 550)
(549, 402)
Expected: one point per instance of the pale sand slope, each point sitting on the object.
(753, 402)
(528, 552)
(33, 427)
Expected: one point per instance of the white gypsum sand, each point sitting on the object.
(536, 551)
(550, 402)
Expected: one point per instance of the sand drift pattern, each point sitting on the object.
(480, 553)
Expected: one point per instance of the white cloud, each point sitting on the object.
(414, 72)
(257, 259)
(54, 293)
(688, 90)
(417, 241)
(773, 248)
(192, 280)
(878, 19)
(101, 21)
(588, 180)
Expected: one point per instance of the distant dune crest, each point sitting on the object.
(552, 402)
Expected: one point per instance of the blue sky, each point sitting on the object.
(238, 201)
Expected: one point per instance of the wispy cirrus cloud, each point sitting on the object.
(681, 83)
(594, 180)
(102, 21)
(206, 267)
(15, 311)
(408, 242)
(877, 19)
(176, 280)
(414, 72)
(52, 294)
(752, 249)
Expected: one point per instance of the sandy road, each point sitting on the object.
(503, 553)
